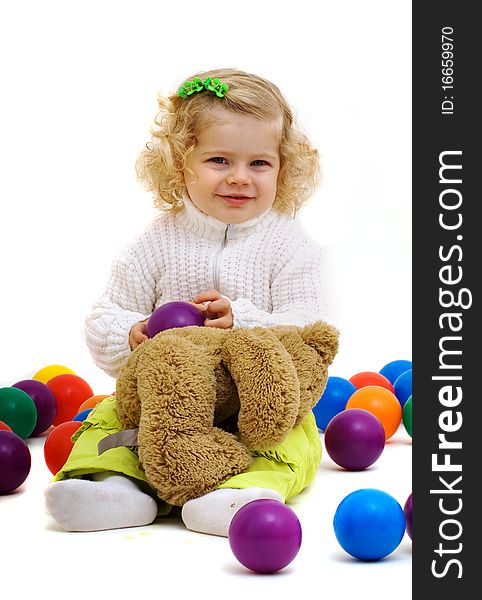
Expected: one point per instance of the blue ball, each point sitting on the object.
(403, 387)
(333, 400)
(82, 415)
(369, 524)
(394, 369)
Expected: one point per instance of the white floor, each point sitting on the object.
(37, 557)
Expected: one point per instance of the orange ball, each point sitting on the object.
(58, 445)
(92, 401)
(365, 378)
(69, 391)
(381, 403)
(5, 427)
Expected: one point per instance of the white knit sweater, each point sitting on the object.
(268, 267)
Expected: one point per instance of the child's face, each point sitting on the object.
(232, 172)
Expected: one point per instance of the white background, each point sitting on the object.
(79, 85)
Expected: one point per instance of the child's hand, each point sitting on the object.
(217, 310)
(137, 334)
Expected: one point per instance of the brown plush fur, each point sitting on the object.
(185, 387)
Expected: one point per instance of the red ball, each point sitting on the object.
(69, 391)
(58, 445)
(365, 378)
(5, 427)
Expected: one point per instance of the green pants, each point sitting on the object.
(287, 468)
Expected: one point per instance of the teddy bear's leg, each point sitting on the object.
(267, 383)
(184, 456)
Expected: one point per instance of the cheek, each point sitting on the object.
(207, 174)
(271, 183)
(212, 178)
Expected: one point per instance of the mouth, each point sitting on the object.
(235, 199)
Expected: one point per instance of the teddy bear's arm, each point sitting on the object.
(267, 384)
(312, 349)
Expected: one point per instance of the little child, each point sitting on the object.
(229, 169)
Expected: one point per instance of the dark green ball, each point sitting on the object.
(407, 415)
(18, 411)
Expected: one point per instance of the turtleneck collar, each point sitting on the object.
(202, 225)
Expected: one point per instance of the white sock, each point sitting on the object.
(213, 512)
(110, 501)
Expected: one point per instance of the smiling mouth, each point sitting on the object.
(235, 199)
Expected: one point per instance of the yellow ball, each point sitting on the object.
(51, 371)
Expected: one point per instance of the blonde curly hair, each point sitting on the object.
(161, 164)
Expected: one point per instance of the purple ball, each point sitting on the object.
(15, 461)
(265, 535)
(407, 509)
(171, 315)
(44, 401)
(354, 439)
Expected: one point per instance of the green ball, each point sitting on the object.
(407, 415)
(18, 411)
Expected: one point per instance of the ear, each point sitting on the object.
(323, 338)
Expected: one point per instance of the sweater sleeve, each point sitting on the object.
(297, 293)
(129, 297)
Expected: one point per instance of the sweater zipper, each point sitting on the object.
(217, 259)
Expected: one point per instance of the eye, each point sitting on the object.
(218, 160)
(260, 163)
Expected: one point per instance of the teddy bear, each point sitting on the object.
(203, 398)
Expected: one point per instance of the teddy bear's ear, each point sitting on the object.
(323, 338)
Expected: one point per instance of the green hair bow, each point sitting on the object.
(196, 85)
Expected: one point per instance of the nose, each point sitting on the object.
(238, 175)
